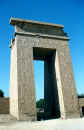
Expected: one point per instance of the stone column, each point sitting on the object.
(50, 88)
(25, 82)
(65, 81)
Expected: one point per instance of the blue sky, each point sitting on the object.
(70, 13)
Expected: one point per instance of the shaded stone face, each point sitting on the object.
(48, 42)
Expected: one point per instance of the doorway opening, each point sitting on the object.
(47, 100)
(39, 87)
(39, 79)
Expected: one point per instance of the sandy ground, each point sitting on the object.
(57, 124)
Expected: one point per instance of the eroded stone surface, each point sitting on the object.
(48, 43)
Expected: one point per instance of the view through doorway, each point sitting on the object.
(47, 102)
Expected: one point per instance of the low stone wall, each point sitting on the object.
(4, 105)
(81, 102)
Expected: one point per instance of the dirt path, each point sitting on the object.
(70, 124)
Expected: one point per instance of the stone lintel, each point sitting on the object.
(14, 21)
(43, 35)
(41, 28)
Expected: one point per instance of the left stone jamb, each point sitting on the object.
(22, 83)
(13, 81)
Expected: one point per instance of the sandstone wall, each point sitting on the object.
(81, 102)
(4, 105)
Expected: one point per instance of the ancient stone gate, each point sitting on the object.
(48, 42)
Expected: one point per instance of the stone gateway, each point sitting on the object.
(47, 42)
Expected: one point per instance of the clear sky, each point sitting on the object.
(70, 13)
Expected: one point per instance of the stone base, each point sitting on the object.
(6, 118)
(26, 117)
(70, 115)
